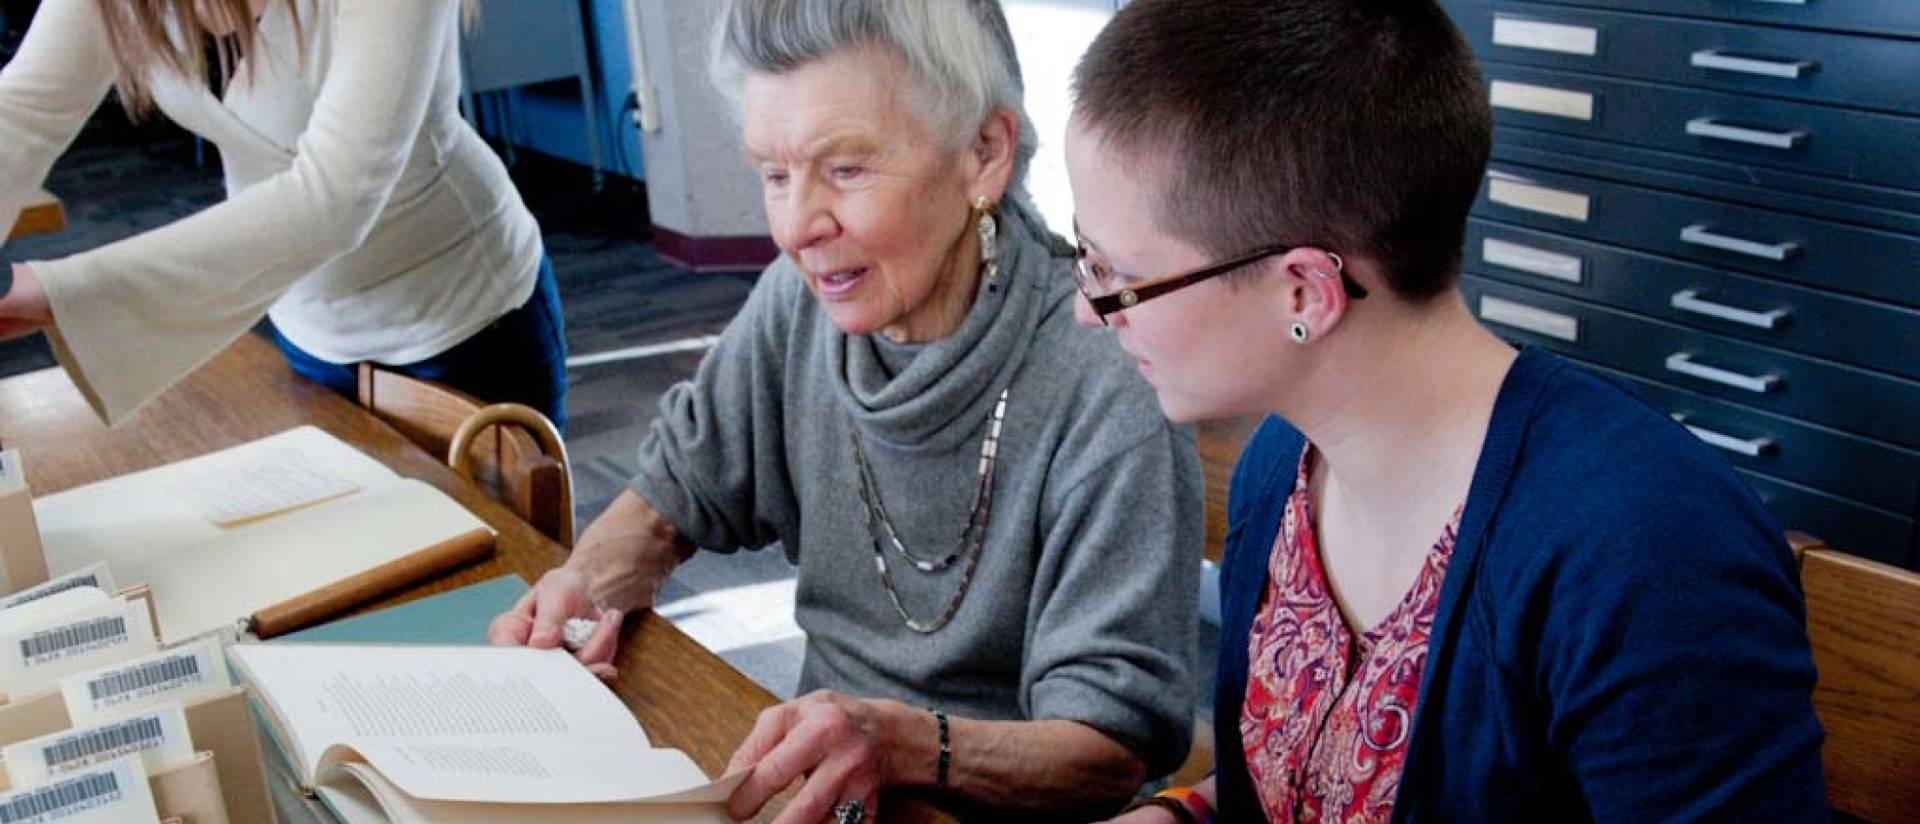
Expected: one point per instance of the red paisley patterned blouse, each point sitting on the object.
(1328, 713)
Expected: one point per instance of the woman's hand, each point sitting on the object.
(24, 308)
(539, 621)
(840, 745)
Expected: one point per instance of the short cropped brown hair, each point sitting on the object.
(1356, 125)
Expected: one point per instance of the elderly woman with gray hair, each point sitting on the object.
(995, 530)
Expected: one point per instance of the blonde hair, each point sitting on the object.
(151, 36)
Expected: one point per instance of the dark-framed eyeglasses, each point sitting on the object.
(1106, 298)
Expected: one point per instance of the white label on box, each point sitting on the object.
(1521, 33)
(159, 736)
(1520, 257)
(1536, 198)
(114, 793)
(273, 483)
(50, 609)
(1530, 319)
(36, 659)
(182, 674)
(94, 575)
(1552, 102)
(13, 476)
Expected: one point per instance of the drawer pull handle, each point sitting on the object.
(1528, 318)
(1750, 447)
(1699, 235)
(1689, 300)
(1720, 61)
(1709, 128)
(1683, 363)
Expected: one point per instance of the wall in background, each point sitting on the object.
(547, 118)
(704, 198)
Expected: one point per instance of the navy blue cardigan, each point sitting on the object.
(1620, 635)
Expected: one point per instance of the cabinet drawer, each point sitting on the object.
(1800, 137)
(1844, 397)
(1846, 526)
(1810, 66)
(1891, 17)
(1824, 254)
(1849, 466)
(1861, 332)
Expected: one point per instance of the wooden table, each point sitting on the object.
(684, 695)
(43, 215)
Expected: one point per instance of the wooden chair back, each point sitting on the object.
(1220, 443)
(510, 450)
(1863, 618)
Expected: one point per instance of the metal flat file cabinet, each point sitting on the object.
(1716, 203)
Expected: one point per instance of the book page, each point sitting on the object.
(494, 724)
(269, 483)
(360, 793)
(137, 519)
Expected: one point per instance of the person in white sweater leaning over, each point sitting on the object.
(364, 217)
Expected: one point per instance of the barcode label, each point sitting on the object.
(113, 792)
(158, 736)
(95, 575)
(166, 671)
(35, 658)
(183, 674)
(124, 738)
(58, 587)
(73, 639)
(74, 794)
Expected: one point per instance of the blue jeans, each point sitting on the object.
(520, 358)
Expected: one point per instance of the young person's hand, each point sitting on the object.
(24, 308)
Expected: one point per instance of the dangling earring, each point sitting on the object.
(989, 243)
(1299, 332)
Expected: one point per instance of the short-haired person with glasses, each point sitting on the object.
(1461, 583)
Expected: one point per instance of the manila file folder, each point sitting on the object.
(272, 535)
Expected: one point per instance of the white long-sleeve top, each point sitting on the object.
(363, 215)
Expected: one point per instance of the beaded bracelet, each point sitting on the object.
(1195, 804)
(1171, 805)
(946, 746)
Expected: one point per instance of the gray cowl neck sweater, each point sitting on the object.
(1083, 603)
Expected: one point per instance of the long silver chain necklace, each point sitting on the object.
(972, 539)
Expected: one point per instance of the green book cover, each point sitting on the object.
(457, 617)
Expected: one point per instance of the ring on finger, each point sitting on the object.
(853, 811)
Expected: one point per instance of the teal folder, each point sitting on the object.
(457, 617)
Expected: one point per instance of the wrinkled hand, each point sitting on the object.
(835, 742)
(537, 619)
(24, 308)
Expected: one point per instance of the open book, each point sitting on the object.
(468, 734)
(278, 532)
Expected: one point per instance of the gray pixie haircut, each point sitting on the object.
(959, 51)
